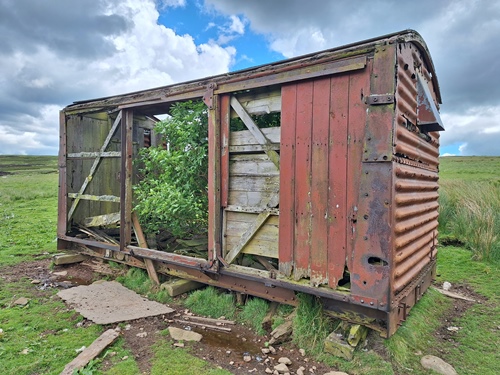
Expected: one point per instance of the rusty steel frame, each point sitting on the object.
(366, 70)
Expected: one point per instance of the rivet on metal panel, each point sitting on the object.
(365, 217)
(362, 301)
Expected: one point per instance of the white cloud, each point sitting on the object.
(37, 82)
(237, 26)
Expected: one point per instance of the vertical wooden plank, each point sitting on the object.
(319, 181)
(303, 212)
(287, 179)
(126, 179)
(214, 181)
(337, 205)
(359, 85)
(225, 111)
(62, 206)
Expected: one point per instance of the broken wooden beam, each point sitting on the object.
(208, 320)
(180, 286)
(141, 239)
(208, 326)
(102, 220)
(88, 354)
(454, 295)
(60, 259)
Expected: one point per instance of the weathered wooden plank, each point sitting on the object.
(126, 179)
(103, 341)
(253, 148)
(99, 198)
(250, 198)
(287, 179)
(254, 129)
(62, 207)
(260, 103)
(225, 141)
(319, 193)
(94, 165)
(250, 217)
(268, 232)
(250, 209)
(303, 180)
(257, 246)
(102, 220)
(214, 182)
(81, 155)
(337, 165)
(247, 236)
(180, 286)
(141, 239)
(245, 137)
(254, 183)
(254, 167)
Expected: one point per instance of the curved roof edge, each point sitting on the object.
(407, 35)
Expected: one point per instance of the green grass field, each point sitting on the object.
(45, 330)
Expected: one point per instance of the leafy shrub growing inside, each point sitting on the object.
(172, 193)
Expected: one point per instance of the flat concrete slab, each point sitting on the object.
(109, 302)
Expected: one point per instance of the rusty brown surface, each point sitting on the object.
(358, 180)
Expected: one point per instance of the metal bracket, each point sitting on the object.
(380, 99)
(208, 98)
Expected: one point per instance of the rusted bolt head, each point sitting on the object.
(375, 99)
(389, 98)
(362, 301)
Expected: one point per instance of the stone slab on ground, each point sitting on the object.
(434, 363)
(60, 259)
(110, 302)
(183, 335)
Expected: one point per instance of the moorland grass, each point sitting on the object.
(211, 302)
(469, 202)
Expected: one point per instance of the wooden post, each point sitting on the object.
(150, 266)
(126, 179)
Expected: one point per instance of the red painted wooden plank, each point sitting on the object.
(359, 85)
(337, 203)
(319, 181)
(287, 178)
(303, 180)
(224, 119)
(214, 194)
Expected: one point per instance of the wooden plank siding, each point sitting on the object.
(323, 124)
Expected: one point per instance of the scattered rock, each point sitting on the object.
(285, 360)
(281, 368)
(247, 358)
(231, 363)
(446, 286)
(273, 351)
(268, 370)
(79, 350)
(300, 370)
(281, 333)
(252, 370)
(302, 352)
(434, 363)
(127, 327)
(183, 335)
(453, 329)
(336, 373)
(179, 344)
(142, 334)
(21, 301)
(265, 350)
(60, 273)
(125, 358)
(35, 281)
(228, 352)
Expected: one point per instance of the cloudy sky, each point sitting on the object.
(54, 52)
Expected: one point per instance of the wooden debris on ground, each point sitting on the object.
(454, 295)
(203, 325)
(88, 354)
(176, 286)
(267, 322)
(60, 259)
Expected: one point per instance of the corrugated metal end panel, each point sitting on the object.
(415, 174)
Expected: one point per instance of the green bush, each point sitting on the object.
(172, 194)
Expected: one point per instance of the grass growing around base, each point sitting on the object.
(253, 313)
(212, 303)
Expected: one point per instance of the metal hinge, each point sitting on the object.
(380, 99)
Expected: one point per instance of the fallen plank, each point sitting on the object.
(208, 326)
(141, 239)
(454, 295)
(68, 259)
(208, 320)
(180, 286)
(106, 339)
(102, 220)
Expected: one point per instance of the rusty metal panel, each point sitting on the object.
(287, 179)
(337, 183)
(303, 183)
(319, 181)
(415, 175)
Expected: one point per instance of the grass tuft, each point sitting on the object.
(253, 313)
(310, 325)
(209, 302)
